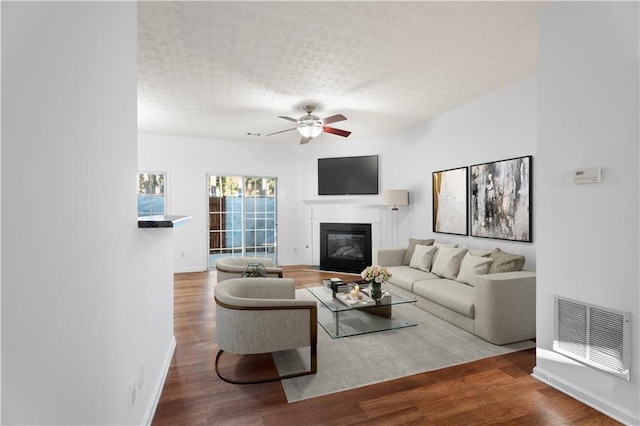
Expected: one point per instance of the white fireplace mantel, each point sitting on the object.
(377, 201)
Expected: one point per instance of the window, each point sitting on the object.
(151, 194)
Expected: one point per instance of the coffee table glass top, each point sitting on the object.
(341, 319)
(325, 295)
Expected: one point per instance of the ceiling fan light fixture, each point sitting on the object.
(310, 126)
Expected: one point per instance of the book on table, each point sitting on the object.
(339, 286)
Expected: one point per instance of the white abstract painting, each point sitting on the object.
(450, 195)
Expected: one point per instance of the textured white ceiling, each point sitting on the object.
(224, 69)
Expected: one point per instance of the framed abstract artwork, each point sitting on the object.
(501, 199)
(450, 201)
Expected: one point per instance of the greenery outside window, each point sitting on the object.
(151, 194)
(242, 217)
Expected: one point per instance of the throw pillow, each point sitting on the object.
(442, 245)
(412, 246)
(445, 245)
(447, 263)
(472, 266)
(505, 262)
(422, 257)
(479, 252)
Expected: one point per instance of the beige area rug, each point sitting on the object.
(352, 362)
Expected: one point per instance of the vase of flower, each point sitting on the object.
(376, 290)
(375, 275)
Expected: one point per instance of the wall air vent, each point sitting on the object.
(593, 335)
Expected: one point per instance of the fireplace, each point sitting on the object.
(345, 247)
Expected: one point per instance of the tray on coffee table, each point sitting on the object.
(362, 300)
(341, 319)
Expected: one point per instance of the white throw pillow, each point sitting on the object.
(479, 252)
(412, 245)
(422, 257)
(472, 266)
(447, 263)
(435, 256)
(445, 245)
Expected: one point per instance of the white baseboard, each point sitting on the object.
(187, 270)
(157, 390)
(594, 401)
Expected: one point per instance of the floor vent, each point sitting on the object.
(593, 335)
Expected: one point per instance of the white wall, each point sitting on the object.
(86, 296)
(0, 226)
(588, 235)
(499, 126)
(188, 161)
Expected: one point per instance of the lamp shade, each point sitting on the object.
(395, 198)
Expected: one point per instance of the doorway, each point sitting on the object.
(242, 217)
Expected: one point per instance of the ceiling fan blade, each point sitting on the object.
(334, 118)
(338, 132)
(304, 140)
(281, 131)
(288, 118)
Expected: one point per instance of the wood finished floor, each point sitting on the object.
(498, 390)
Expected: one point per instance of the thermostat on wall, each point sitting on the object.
(587, 175)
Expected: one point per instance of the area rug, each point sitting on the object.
(352, 362)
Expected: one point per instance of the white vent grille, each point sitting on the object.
(593, 335)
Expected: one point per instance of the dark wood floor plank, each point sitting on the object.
(493, 390)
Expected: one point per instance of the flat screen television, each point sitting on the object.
(348, 175)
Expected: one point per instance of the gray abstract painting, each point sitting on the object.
(501, 199)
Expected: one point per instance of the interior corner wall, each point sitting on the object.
(87, 297)
(588, 235)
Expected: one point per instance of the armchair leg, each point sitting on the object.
(313, 370)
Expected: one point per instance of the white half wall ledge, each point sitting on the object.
(606, 407)
(162, 221)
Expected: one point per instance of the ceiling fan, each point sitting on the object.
(310, 126)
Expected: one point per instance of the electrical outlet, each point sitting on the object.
(141, 375)
(132, 393)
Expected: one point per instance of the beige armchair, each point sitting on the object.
(232, 267)
(261, 315)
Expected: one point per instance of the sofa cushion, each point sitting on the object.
(505, 262)
(451, 294)
(404, 276)
(447, 263)
(471, 266)
(422, 257)
(411, 248)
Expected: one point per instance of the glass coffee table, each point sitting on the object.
(342, 318)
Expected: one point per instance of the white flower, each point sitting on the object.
(375, 273)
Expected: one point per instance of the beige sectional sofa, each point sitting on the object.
(483, 292)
